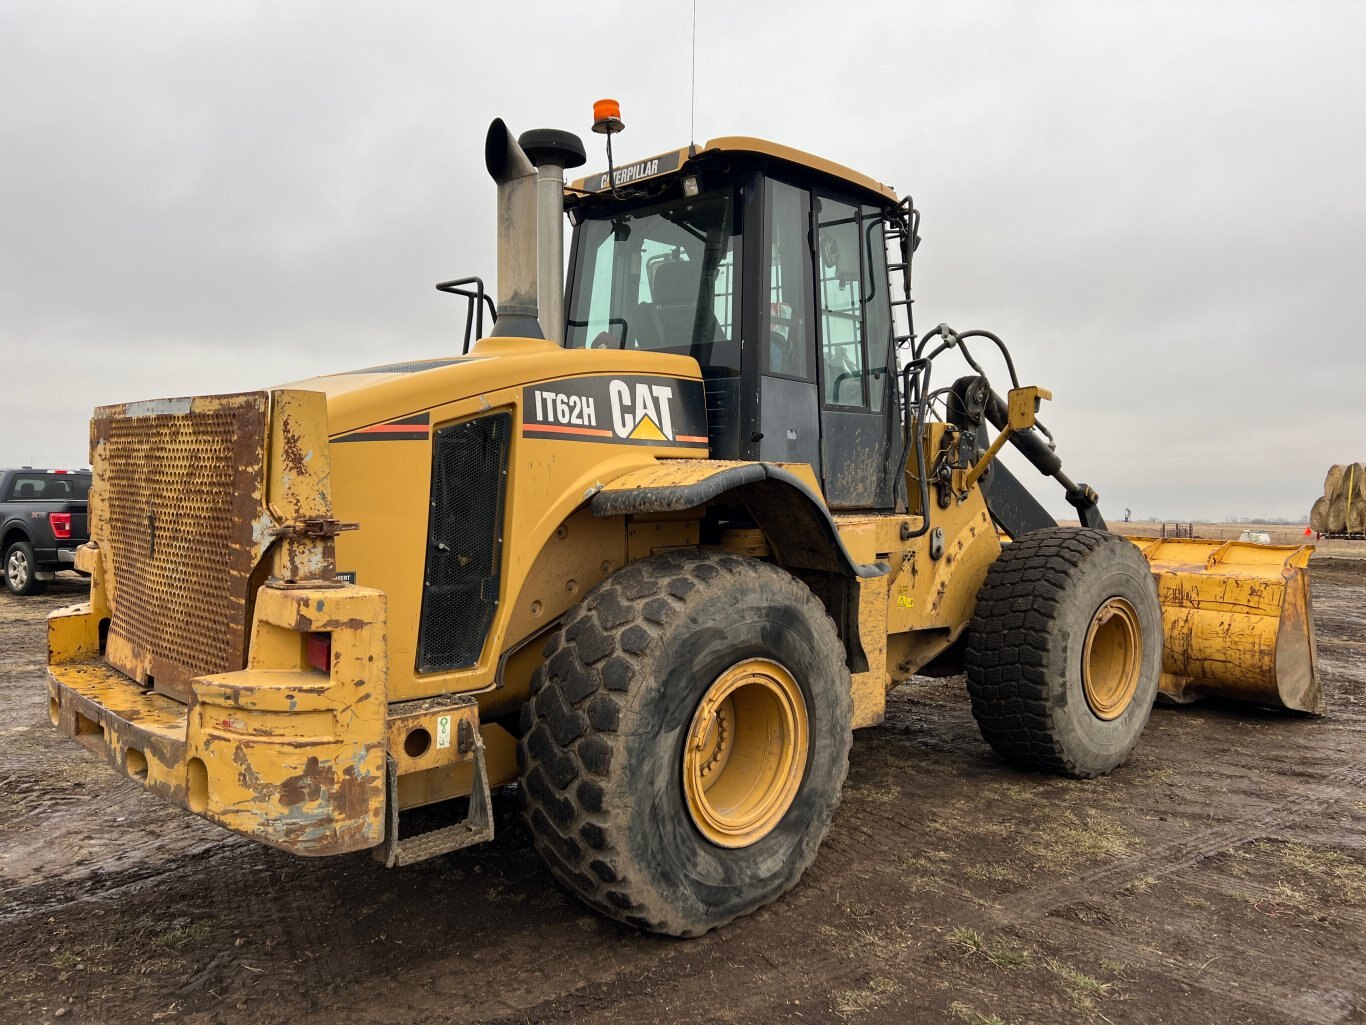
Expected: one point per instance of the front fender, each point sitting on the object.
(792, 516)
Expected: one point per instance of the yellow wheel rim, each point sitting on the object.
(745, 753)
(1111, 659)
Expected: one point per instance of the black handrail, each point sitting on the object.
(474, 312)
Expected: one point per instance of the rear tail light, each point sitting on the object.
(320, 652)
(61, 525)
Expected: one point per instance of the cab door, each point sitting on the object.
(854, 362)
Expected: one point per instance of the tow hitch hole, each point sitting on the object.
(135, 762)
(197, 785)
(54, 711)
(417, 741)
(86, 725)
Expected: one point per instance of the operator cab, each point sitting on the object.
(769, 267)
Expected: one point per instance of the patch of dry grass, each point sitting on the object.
(1155, 777)
(1082, 988)
(1002, 955)
(882, 791)
(965, 1013)
(923, 873)
(1068, 839)
(1344, 877)
(995, 872)
(878, 990)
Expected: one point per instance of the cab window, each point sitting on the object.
(877, 308)
(662, 277)
(786, 333)
(839, 271)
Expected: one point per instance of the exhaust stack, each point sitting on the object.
(552, 151)
(509, 166)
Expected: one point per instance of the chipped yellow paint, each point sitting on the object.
(300, 481)
(278, 751)
(428, 786)
(425, 734)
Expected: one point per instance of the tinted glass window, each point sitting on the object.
(839, 271)
(49, 487)
(787, 261)
(877, 308)
(663, 277)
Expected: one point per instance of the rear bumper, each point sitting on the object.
(277, 752)
(66, 558)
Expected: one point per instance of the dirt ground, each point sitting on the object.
(1219, 877)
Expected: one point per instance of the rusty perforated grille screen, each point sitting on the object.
(181, 493)
(464, 542)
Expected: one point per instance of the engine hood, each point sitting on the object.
(372, 395)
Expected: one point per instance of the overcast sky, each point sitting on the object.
(1160, 206)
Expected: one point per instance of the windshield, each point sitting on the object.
(660, 277)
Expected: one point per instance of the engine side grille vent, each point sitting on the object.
(464, 542)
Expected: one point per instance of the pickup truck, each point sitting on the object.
(42, 523)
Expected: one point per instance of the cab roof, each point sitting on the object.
(676, 160)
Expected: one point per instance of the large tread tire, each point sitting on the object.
(603, 733)
(1025, 649)
(27, 569)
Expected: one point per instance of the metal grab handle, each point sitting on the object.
(474, 313)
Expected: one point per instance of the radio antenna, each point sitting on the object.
(692, 113)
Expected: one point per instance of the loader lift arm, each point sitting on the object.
(970, 404)
(971, 401)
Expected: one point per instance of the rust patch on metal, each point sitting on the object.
(352, 796)
(292, 453)
(309, 785)
(182, 487)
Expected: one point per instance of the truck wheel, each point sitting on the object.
(21, 571)
(686, 739)
(1065, 650)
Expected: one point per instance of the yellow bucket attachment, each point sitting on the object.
(1237, 620)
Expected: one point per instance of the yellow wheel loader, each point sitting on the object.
(650, 550)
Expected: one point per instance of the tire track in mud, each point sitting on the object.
(1227, 980)
(1164, 859)
(1246, 889)
(101, 886)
